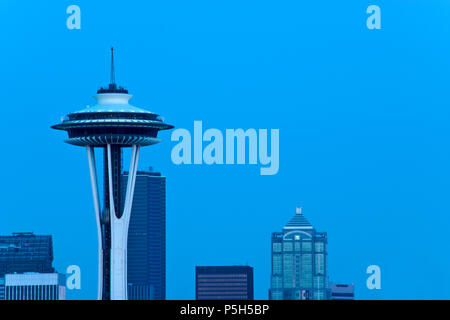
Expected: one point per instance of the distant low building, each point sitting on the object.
(35, 286)
(224, 283)
(342, 291)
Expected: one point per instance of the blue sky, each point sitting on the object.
(363, 118)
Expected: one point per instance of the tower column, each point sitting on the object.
(119, 225)
(96, 197)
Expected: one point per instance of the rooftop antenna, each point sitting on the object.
(113, 73)
(112, 88)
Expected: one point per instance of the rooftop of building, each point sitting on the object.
(149, 173)
(112, 110)
(25, 236)
(21, 243)
(223, 269)
(298, 221)
(112, 98)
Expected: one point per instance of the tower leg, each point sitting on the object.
(96, 197)
(119, 226)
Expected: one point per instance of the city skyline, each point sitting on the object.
(146, 282)
(363, 119)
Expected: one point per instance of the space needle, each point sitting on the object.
(112, 124)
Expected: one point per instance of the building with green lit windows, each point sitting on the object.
(299, 262)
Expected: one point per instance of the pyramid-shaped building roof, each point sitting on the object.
(298, 222)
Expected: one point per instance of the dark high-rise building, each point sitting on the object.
(147, 237)
(299, 262)
(224, 283)
(342, 291)
(26, 252)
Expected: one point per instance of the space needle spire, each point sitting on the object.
(113, 73)
(112, 125)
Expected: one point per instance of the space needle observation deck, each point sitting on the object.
(112, 124)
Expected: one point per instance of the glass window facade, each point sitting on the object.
(287, 246)
(277, 247)
(26, 252)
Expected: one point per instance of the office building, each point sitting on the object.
(26, 271)
(35, 286)
(299, 262)
(224, 283)
(147, 237)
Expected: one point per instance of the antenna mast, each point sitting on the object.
(113, 73)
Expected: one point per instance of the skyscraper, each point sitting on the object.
(111, 125)
(224, 283)
(26, 252)
(299, 262)
(147, 237)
